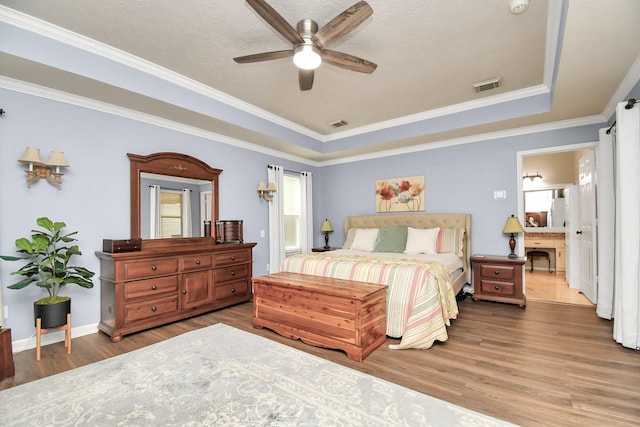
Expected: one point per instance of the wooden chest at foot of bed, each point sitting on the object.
(322, 311)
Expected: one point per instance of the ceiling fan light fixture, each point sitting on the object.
(307, 57)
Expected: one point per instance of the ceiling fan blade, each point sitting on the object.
(343, 23)
(266, 56)
(305, 78)
(274, 19)
(350, 62)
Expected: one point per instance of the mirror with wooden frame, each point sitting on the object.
(167, 180)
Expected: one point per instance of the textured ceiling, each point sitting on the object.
(553, 67)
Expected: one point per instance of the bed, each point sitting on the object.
(421, 287)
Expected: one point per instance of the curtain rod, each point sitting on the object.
(611, 127)
(630, 103)
(287, 170)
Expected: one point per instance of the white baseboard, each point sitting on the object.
(53, 337)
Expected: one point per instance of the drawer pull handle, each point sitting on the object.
(184, 291)
(233, 273)
(154, 308)
(496, 272)
(154, 287)
(197, 262)
(233, 290)
(154, 268)
(497, 287)
(233, 257)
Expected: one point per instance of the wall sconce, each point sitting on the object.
(266, 191)
(38, 169)
(326, 229)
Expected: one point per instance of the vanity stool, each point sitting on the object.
(539, 254)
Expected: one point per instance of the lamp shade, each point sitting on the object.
(513, 226)
(57, 159)
(326, 226)
(271, 187)
(262, 187)
(31, 155)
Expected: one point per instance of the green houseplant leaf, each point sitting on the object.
(47, 255)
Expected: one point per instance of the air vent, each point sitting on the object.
(488, 84)
(338, 123)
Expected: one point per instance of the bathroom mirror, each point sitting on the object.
(544, 209)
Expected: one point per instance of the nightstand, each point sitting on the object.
(498, 278)
(322, 249)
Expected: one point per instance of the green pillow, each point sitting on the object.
(391, 239)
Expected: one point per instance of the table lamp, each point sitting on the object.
(512, 227)
(326, 229)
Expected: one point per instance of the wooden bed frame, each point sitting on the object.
(422, 220)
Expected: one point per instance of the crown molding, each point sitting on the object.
(91, 104)
(444, 111)
(46, 29)
(509, 133)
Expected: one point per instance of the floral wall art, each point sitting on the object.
(400, 194)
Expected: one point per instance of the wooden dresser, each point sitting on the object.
(498, 278)
(159, 285)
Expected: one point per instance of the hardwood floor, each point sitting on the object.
(552, 287)
(547, 364)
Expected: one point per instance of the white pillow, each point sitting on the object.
(365, 239)
(422, 240)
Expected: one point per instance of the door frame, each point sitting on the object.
(536, 152)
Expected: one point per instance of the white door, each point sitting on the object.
(586, 231)
(572, 210)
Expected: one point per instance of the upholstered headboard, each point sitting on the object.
(420, 220)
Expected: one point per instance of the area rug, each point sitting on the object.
(222, 376)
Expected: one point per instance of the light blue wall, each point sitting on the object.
(458, 179)
(94, 199)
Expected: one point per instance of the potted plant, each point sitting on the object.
(48, 254)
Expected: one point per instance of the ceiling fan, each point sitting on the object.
(309, 43)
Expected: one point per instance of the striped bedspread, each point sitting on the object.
(420, 299)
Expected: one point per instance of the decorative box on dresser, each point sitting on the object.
(164, 283)
(498, 278)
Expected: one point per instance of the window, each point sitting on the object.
(171, 213)
(292, 213)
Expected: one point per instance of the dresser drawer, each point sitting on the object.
(151, 287)
(157, 267)
(149, 309)
(229, 258)
(497, 288)
(236, 289)
(234, 272)
(501, 272)
(195, 262)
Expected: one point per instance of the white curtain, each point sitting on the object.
(155, 222)
(626, 315)
(306, 237)
(605, 201)
(275, 174)
(187, 226)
